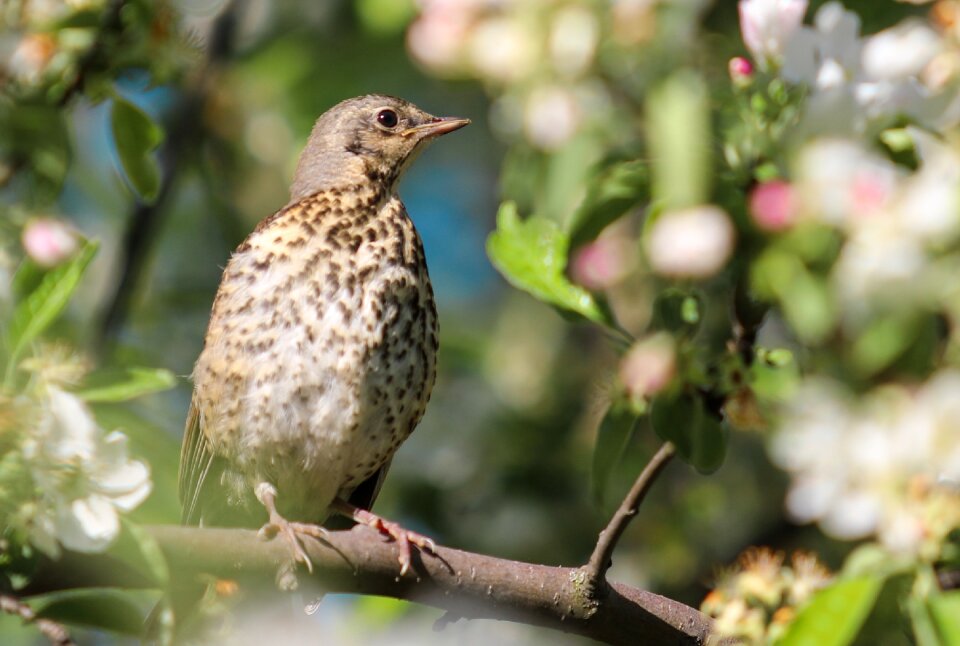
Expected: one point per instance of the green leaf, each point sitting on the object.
(136, 136)
(805, 297)
(532, 255)
(45, 303)
(616, 190)
(871, 559)
(700, 439)
(385, 17)
(618, 425)
(678, 128)
(122, 384)
(94, 608)
(945, 611)
(883, 341)
(678, 311)
(924, 630)
(835, 614)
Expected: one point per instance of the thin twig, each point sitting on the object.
(53, 631)
(600, 560)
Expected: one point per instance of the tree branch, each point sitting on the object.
(600, 560)
(54, 632)
(467, 585)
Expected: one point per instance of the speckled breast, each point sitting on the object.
(321, 351)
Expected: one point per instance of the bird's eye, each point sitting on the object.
(388, 118)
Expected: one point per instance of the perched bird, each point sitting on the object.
(320, 353)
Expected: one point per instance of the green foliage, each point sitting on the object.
(532, 256)
(678, 311)
(123, 384)
(614, 191)
(619, 423)
(945, 612)
(110, 610)
(42, 307)
(834, 616)
(698, 435)
(678, 129)
(136, 136)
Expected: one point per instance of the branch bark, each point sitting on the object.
(596, 568)
(56, 634)
(465, 584)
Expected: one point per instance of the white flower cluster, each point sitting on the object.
(33, 47)
(537, 58)
(855, 82)
(888, 465)
(894, 221)
(83, 477)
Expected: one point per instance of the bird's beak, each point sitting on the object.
(439, 126)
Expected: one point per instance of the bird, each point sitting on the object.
(320, 353)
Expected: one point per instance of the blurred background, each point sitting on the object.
(501, 462)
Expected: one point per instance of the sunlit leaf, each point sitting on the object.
(45, 303)
(122, 384)
(532, 254)
(945, 612)
(835, 614)
(94, 608)
(136, 136)
(616, 428)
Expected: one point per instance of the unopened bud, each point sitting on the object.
(48, 241)
(741, 71)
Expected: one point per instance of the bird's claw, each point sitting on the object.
(292, 533)
(404, 538)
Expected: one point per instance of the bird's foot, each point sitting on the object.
(403, 537)
(291, 532)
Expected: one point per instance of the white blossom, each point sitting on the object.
(852, 465)
(893, 220)
(501, 50)
(83, 475)
(858, 81)
(573, 40)
(692, 243)
(551, 116)
(767, 26)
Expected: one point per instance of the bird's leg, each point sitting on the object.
(403, 537)
(267, 495)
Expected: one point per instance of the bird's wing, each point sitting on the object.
(196, 460)
(367, 491)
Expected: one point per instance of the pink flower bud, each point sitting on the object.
(741, 71)
(602, 263)
(649, 366)
(48, 241)
(773, 206)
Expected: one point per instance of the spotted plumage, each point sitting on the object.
(320, 354)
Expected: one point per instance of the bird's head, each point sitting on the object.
(368, 138)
